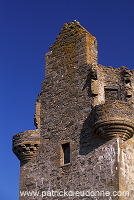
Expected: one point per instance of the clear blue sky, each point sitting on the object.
(27, 29)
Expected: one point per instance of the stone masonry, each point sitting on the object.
(83, 143)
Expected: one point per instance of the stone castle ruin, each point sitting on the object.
(83, 141)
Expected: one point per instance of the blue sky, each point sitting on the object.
(27, 29)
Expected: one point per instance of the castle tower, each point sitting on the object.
(83, 145)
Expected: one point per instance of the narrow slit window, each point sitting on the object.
(66, 153)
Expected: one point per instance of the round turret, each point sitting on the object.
(25, 144)
(114, 119)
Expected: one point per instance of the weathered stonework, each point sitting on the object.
(84, 125)
(26, 144)
(114, 119)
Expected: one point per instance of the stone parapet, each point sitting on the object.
(113, 119)
(25, 144)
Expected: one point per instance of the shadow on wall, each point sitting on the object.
(88, 83)
(89, 141)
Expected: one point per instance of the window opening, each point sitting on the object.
(111, 94)
(66, 153)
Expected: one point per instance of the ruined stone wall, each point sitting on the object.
(112, 84)
(74, 99)
(65, 89)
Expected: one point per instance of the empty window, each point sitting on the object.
(111, 94)
(65, 153)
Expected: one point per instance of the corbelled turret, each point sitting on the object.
(25, 145)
